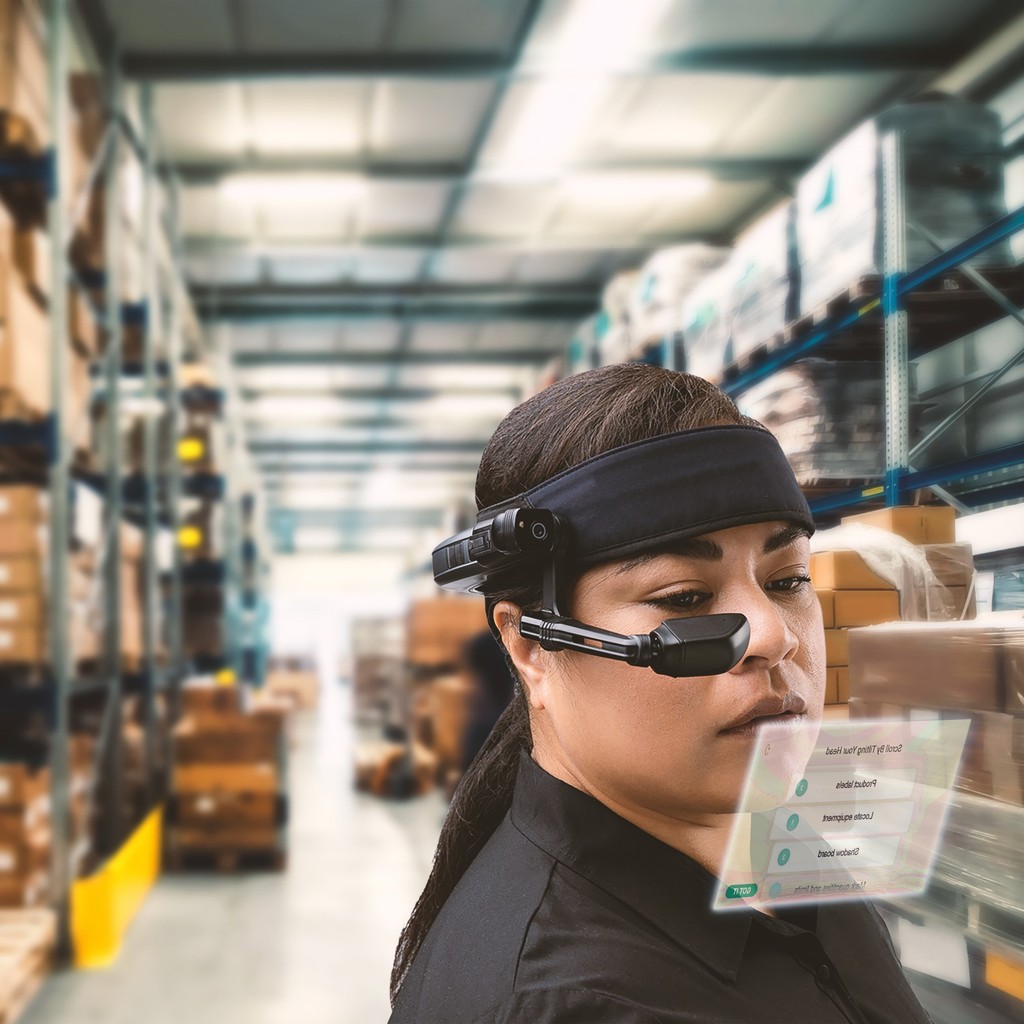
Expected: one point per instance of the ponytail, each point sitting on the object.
(481, 801)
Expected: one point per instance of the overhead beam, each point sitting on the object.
(210, 245)
(286, 448)
(209, 172)
(765, 61)
(458, 357)
(270, 468)
(395, 302)
(356, 518)
(390, 394)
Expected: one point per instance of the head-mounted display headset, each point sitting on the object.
(632, 500)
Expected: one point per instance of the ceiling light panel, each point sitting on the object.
(308, 115)
(400, 207)
(220, 131)
(203, 215)
(418, 120)
(313, 378)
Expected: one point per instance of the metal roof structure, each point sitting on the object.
(396, 211)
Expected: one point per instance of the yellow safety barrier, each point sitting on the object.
(104, 904)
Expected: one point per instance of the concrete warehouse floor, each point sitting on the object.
(313, 944)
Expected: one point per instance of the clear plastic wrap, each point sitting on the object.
(663, 283)
(707, 333)
(828, 417)
(972, 666)
(935, 581)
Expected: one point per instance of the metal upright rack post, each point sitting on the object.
(151, 472)
(174, 607)
(60, 474)
(112, 826)
(896, 329)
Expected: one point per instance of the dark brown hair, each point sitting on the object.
(565, 424)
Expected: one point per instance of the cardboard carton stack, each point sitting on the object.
(228, 778)
(28, 942)
(378, 671)
(438, 629)
(295, 680)
(24, 84)
(852, 595)
(24, 836)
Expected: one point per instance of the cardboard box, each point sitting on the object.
(866, 607)
(837, 647)
(23, 501)
(21, 891)
(920, 524)
(451, 699)
(82, 327)
(228, 778)
(828, 612)
(22, 575)
(203, 700)
(831, 686)
(952, 564)
(439, 629)
(24, 854)
(844, 570)
(229, 739)
(22, 786)
(20, 538)
(22, 610)
(24, 84)
(842, 685)
(31, 259)
(24, 344)
(226, 810)
(975, 665)
(22, 646)
(947, 604)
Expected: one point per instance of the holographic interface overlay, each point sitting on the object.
(841, 810)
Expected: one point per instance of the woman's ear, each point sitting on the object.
(529, 658)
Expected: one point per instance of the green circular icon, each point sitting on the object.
(801, 787)
(783, 857)
(792, 822)
(776, 890)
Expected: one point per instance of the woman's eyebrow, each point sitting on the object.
(784, 538)
(695, 547)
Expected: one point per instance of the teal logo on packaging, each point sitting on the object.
(828, 195)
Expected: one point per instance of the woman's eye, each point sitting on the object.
(684, 600)
(790, 585)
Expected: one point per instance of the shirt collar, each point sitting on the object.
(668, 888)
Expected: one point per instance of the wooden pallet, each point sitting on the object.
(27, 942)
(224, 859)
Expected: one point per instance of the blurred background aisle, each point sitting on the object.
(313, 944)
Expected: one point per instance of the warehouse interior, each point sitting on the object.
(270, 276)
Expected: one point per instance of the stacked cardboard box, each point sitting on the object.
(451, 699)
(28, 941)
(294, 679)
(438, 629)
(384, 768)
(24, 84)
(228, 777)
(969, 670)
(853, 595)
(24, 836)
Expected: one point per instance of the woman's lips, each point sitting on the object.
(773, 708)
(792, 720)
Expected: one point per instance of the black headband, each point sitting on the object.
(644, 496)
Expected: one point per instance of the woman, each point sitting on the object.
(575, 872)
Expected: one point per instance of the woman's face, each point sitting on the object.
(680, 747)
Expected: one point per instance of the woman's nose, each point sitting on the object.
(772, 639)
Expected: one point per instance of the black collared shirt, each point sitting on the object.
(572, 914)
